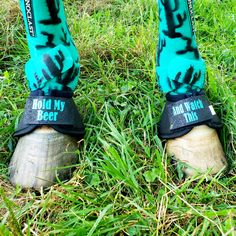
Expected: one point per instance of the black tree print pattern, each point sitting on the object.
(54, 60)
(180, 69)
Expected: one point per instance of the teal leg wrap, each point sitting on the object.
(52, 70)
(54, 60)
(180, 69)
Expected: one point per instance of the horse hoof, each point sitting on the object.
(41, 157)
(199, 151)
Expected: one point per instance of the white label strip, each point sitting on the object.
(212, 110)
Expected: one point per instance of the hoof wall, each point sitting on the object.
(199, 151)
(41, 157)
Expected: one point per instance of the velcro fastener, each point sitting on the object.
(189, 111)
(47, 110)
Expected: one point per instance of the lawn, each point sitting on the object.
(124, 184)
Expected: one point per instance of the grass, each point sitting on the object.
(123, 184)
